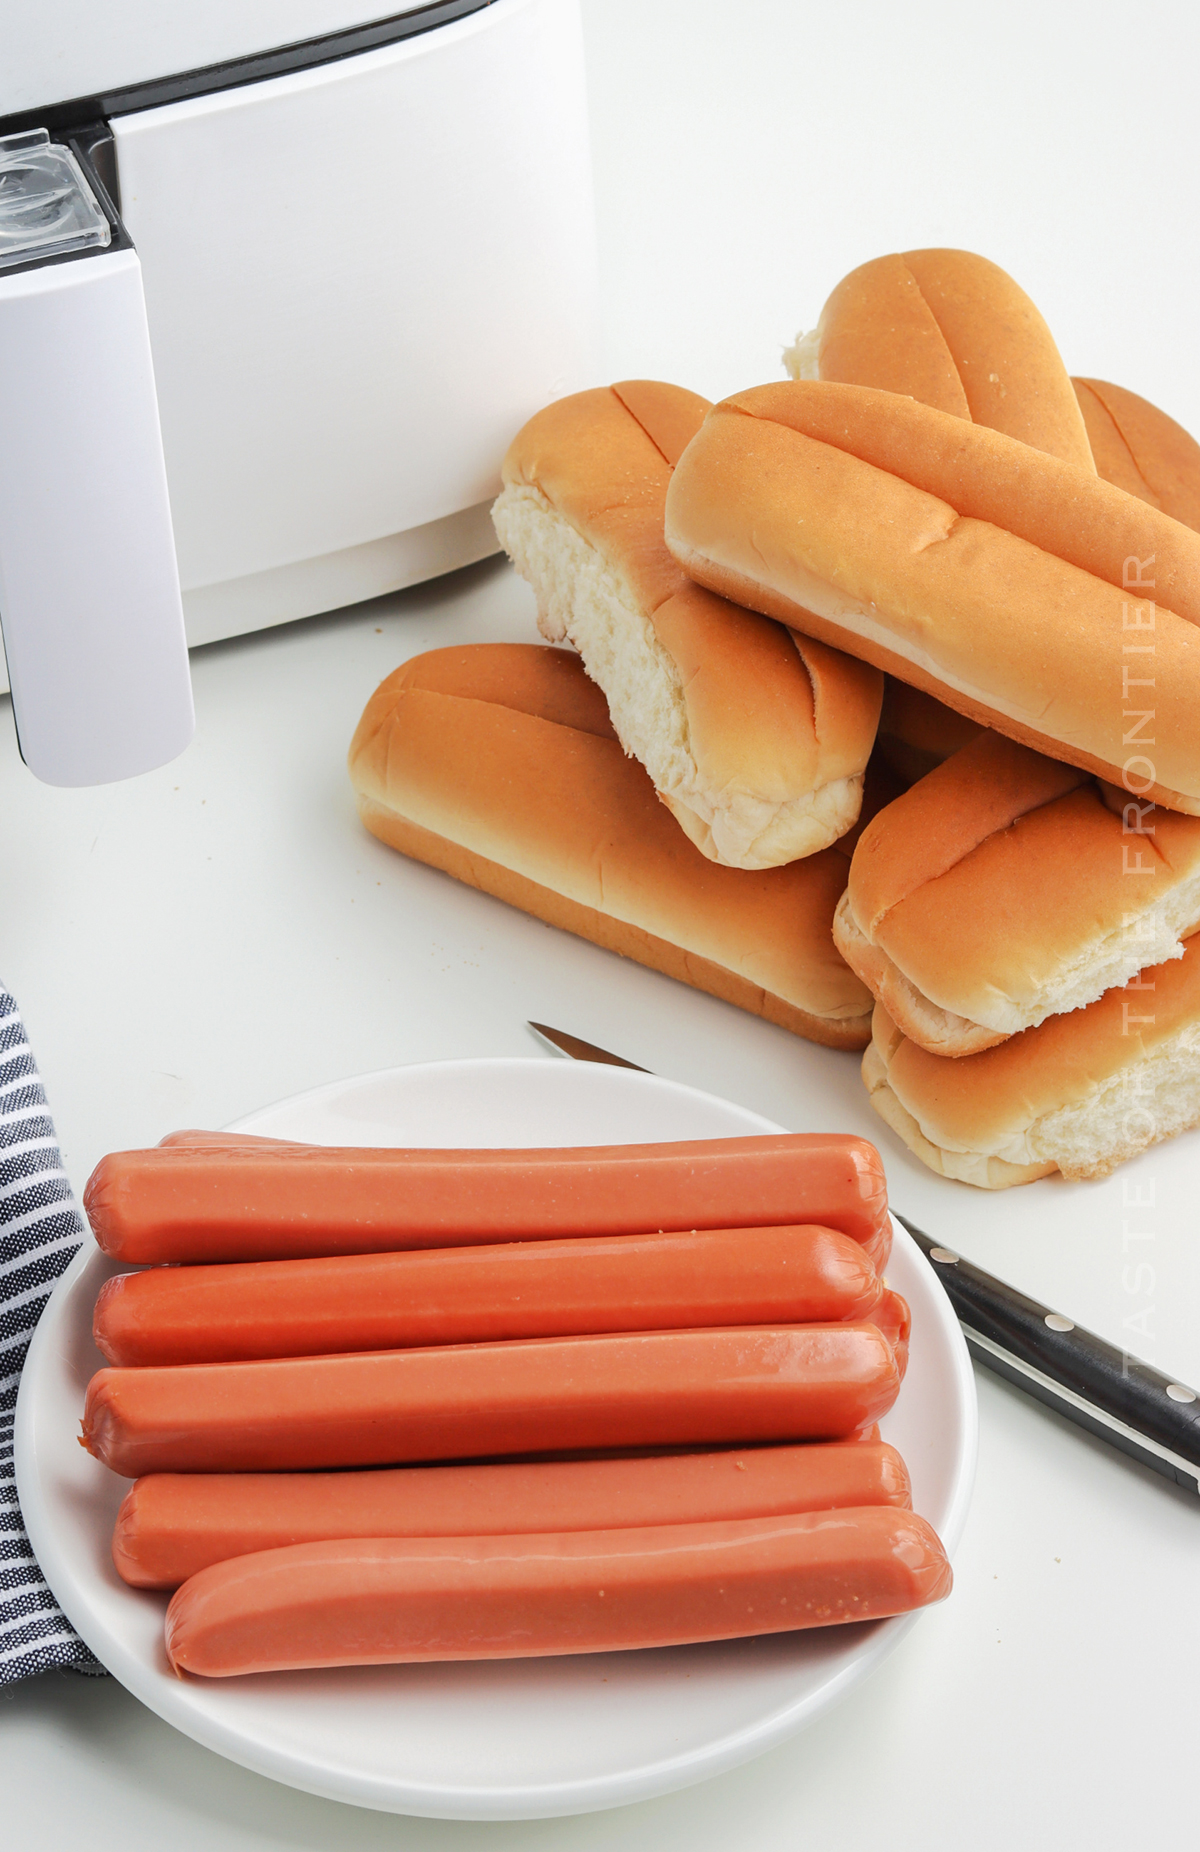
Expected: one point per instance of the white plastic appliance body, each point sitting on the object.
(89, 592)
(361, 279)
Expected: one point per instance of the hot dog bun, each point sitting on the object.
(1005, 888)
(1141, 450)
(498, 763)
(756, 740)
(954, 331)
(1079, 1094)
(985, 572)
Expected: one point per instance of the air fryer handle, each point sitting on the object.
(89, 588)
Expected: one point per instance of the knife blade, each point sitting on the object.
(1106, 1391)
(564, 1044)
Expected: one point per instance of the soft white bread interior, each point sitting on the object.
(1140, 449)
(1004, 888)
(1080, 1094)
(498, 763)
(981, 1168)
(756, 739)
(955, 331)
(989, 574)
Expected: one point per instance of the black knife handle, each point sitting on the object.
(1112, 1394)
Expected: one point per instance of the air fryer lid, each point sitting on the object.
(71, 61)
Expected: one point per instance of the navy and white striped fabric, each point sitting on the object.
(40, 1230)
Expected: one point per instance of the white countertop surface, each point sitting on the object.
(196, 943)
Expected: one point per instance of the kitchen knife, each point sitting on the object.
(1102, 1389)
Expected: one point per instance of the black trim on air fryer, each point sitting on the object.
(235, 72)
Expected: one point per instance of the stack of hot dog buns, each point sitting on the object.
(932, 496)
(308, 1309)
(1044, 893)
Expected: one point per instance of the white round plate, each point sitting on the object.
(516, 1739)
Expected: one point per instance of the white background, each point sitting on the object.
(766, 148)
(193, 944)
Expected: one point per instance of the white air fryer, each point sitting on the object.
(363, 258)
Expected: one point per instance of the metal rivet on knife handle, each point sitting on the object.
(946, 1255)
(1057, 1322)
(1179, 1392)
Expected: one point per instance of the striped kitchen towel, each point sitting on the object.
(40, 1230)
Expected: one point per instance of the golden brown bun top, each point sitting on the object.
(596, 462)
(954, 331)
(982, 474)
(983, 788)
(669, 415)
(530, 679)
(630, 435)
(1142, 450)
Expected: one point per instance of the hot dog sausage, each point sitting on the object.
(302, 1308)
(173, 1524)
(390, 1600)
(894, 1319)
(263, 1201)
(674, 1388)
